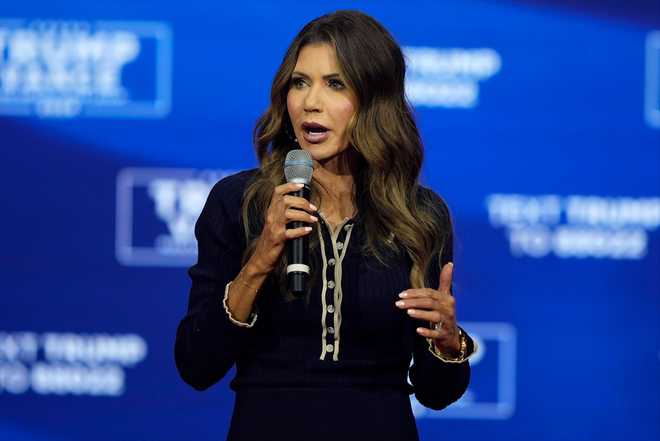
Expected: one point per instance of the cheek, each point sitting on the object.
(291, 106)
(345, 111)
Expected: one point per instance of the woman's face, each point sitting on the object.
(319, 102)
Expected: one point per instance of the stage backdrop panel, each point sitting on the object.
(541, 125)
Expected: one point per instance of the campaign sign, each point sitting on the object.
(67, 69)
(156, 213)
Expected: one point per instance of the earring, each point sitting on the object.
(287, 132)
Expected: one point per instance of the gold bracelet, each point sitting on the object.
(461, 356)
(237, 278)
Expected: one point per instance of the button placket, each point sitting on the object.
(332, 274)
(331, 294)
(337, 246)
(324, 289)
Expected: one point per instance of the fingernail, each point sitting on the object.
(399, 303)
(314, 218)
(313, 207)
(308, 228)
(412, 312)
(299, 185)
(403, 294)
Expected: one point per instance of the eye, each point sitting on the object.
(296, 82)
(336, 84)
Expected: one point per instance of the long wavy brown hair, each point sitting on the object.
(398, 215)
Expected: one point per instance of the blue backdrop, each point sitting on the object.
(541, 124)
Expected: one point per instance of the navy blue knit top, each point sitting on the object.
(345, 335)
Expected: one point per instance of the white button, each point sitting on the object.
(331, 330)
(340, 245)
(329, 348)
(331, 309)
(331, 262)
(331, 284)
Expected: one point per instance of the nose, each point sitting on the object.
(313, 99)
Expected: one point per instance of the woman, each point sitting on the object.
(334, 362)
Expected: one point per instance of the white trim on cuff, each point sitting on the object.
(251, 319)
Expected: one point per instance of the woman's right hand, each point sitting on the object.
(283, 209)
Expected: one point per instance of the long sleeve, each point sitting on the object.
(437, 384)
(207, 342)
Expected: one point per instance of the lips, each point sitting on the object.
(315, 133)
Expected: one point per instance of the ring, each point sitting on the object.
(437, 326)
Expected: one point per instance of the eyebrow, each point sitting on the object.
(325, 77)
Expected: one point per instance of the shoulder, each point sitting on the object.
(229, 190)
(432, 201)
(223, 204)
(236, 182)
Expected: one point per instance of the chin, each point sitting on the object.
(320, 152)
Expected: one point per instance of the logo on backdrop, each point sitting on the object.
(492, 390)
(65, 69)
(67, 363)
(448, 77)
(652, 83)
(156, 214)
(575, 226)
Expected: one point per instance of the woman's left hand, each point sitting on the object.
(437, 307)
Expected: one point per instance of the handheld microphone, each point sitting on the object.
(298, 169)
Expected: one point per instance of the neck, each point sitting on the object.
(335, 178)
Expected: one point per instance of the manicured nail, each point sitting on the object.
(313, 207)
(314, 218)
(308, 228)
(403, 295)
(412, 312)
(400, 303)
(420, 330)
(299, 185)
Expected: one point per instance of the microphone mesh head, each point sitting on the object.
(298, 167)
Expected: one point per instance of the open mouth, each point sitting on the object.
(314, 128)
(315, 133)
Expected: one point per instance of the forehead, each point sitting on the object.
(317, 58)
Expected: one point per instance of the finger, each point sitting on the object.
(431, 333)
(430, 316)
(298, 202)
(423, 303)
(413, 293)
(292, 214)
(446, 275)
(287, 188)
(292, 233)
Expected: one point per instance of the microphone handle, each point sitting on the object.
(298, 252)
